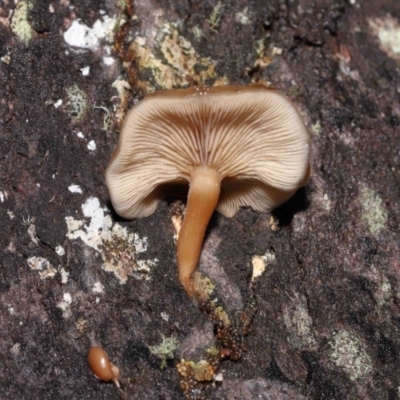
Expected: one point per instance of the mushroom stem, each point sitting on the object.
(203, 197)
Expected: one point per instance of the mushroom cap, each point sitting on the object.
(253, 137)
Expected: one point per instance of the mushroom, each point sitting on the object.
(234, 145)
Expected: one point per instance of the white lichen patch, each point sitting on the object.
(81, 37)
(179, 60)
(384, 293)
(108, 61)
(258, 267)
(19, 21)
(98, 287)
(41, 264)
(197, 32)
(48, 273)
(117, 247)
(85, 70)
(91, 145)
(327, 204)
(6, 59)
(123, 88)
(387, 29)
(259, 263)
(32, 234)
(242, 17)
(73, 224)
(65, 305)
(64, 275)
(299, 324)
(165, 316)
(75, 189)
(58, 103)
(349, 353)
(38, 263)
(374, 212)
(15, 349)
(316, 129)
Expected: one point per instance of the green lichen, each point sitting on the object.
(388, 31)
(215, 18)
(384, 292)
(299, 324)
(165, 350)
(106, 118)
(19, 22)
(203, 285)
(78, 103)
(374, 212)
(222, 315)
(122, 4)
(348, 353)
(316, 128)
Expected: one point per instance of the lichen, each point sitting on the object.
(123, 88)
(203, 285)
(118, 248)
(299, 324)
(348, 353)
(374, 212)
(316, 128)
(387, 30)
(78, 103)
(215, 16)
(384, 291)
(179, 60)
(165, 350)
(327, 203)
(259, 263)
(81, 37)
(106, 118)
(19, 22)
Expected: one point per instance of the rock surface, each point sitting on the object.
(74, 274)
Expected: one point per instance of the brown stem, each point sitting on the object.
(203, 197)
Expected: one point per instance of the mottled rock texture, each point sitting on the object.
(328, 321)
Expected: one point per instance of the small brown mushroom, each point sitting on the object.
(235, 146)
